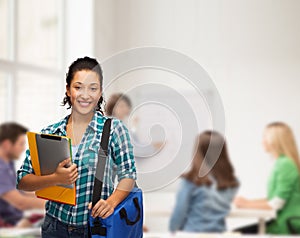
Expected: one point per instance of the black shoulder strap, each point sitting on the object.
(98, 181)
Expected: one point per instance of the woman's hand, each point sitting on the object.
(66, 173)
(240, 202)
(102, 208)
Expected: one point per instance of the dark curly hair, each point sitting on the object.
(85, 63)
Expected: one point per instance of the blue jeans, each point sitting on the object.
(53, 228)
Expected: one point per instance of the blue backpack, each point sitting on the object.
(127, 219)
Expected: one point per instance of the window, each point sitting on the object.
(4, 33)
(38, 99)
(31, 61)
(3, 96)
(38, 39)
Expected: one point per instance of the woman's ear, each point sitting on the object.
(68, 90)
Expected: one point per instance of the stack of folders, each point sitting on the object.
(46, 152)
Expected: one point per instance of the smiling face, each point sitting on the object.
(84, 91)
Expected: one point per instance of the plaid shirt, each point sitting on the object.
(120, 153)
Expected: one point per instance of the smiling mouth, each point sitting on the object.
(84, 104)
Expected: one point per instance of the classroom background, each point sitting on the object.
(250, 50)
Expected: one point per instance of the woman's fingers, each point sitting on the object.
(111, 211)
(97, 208)
(102, 209)
(74, 176)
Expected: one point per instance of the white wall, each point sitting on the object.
(79, 35)
(249, 48)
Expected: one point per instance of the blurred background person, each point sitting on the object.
(119, 105)
(12, 201)
(202, 203)
(284, 181)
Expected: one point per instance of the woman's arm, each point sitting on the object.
(32, 182)
(104, 208)
(62, 175)
(286, 173)
(22, 202)
(241, 202)
(122, 154)
(121, 192)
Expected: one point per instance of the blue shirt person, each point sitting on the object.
(201, 208)
(12, 201)
(8, 213)
(203, 202)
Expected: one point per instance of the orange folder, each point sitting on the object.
(55, 193)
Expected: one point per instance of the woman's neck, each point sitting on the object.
(79, 119)
(77, 125)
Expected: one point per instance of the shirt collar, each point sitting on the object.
(94, 123)
(61, 126)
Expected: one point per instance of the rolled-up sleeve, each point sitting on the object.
(123, 151)
(25, 169)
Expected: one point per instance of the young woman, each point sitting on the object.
(203, 202)
(284, 181)
(84, 126)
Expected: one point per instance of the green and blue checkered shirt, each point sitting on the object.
(120, 155)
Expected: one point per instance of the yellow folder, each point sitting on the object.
(66, 195)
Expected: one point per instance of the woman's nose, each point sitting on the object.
(84, 93)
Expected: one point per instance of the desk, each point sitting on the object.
(261, 215)
(208, 235)
(28, 213)
(17, 232)
(190, 235)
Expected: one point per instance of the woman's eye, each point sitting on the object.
(77, 87)
(94, 89)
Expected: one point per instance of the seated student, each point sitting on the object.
(203, 202)
(12, 201)
(284, 181)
